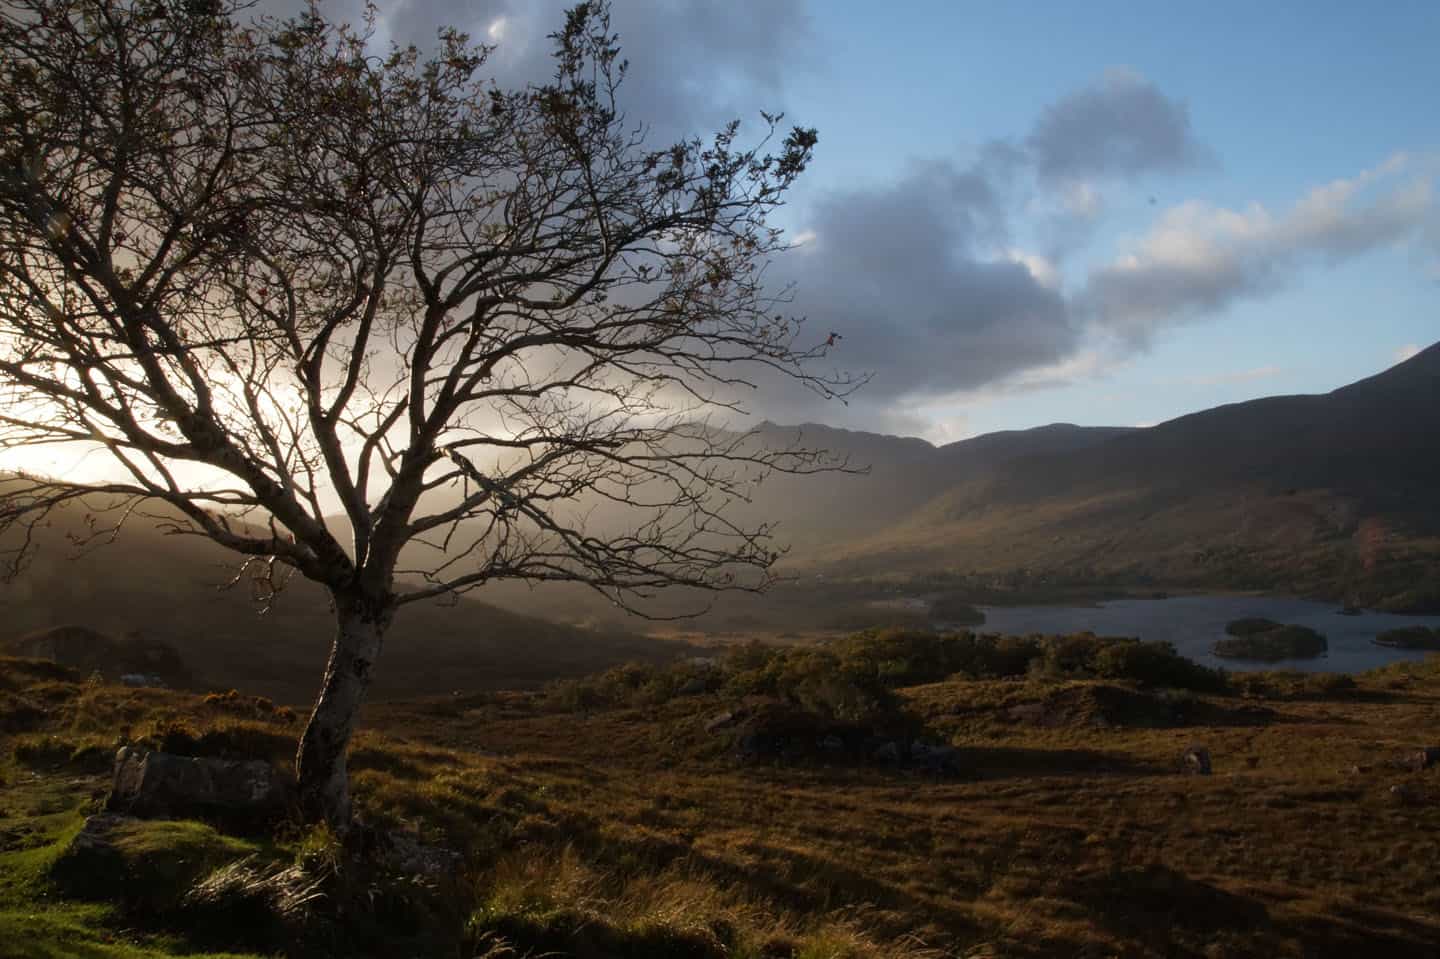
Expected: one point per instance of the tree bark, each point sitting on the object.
(320, 762)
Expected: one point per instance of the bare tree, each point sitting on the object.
(290, 285)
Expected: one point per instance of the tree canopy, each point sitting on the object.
(331, 306)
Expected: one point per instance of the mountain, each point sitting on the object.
(1329, 494)
(889, 477)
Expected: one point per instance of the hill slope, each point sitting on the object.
(1330, 494)
(167, 589)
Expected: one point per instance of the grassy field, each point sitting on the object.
(602, 819)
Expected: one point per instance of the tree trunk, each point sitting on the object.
(320, 763)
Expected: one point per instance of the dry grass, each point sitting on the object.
(624, 832)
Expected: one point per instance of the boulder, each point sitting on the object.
(939, 760)
(720, 721)
(1196, 761)
(94, 835)
(1027, 712)
(406, 854)
(159, 785)
(1422, 758)
(887, 752)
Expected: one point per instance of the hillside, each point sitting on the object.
(168, 590)
(1329, 494)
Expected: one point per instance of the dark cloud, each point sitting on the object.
(1122, 125)
(693, 64)
(907, 275)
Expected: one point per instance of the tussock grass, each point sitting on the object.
(623, 831)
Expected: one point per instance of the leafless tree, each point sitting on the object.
(324, 304)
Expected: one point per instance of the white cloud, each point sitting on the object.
(1041, 268)
(1198, 258)
(1406, 352)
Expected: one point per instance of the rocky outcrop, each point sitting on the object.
(157, 785)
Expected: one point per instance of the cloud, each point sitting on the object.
(1407, 351)
(693, 64)
(1198, 259)
(1120, 125)
(918, 278)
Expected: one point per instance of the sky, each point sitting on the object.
(1027, 213)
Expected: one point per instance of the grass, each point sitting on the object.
(621, 829)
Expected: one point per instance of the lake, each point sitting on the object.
(1193, 623)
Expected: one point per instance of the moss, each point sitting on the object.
(148, 865)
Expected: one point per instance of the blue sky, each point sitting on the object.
(1023, 213)
(1285, 97)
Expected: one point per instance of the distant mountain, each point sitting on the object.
(1331, 494)
(890, 476)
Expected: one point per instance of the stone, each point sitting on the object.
(406, 854)
(1423, 758)
(159, 785)
(1196, 761)
(1027, 712)
(720, 721)
(94, 834)
(941, 761)
(887, 752)
(142, 680)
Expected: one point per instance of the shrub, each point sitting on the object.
(1155, 664)
(1282, 642)
(1250, 625)
(1410, 637)
(953, 609)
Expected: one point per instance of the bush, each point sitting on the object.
(1282, 642)
(1155, 664)
(1410, 637)
(248, 707)
(1250, 625)
(953, 609)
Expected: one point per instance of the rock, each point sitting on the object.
(694, 686)
(94, 835)
(1196, 761)
(887, 752)
(142, 679)
(1422, 758)
(406, 854)
(720, 721)
(158, 785)
(1029, 712)
(941, 761)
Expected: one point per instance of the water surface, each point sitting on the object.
(1193, 623)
